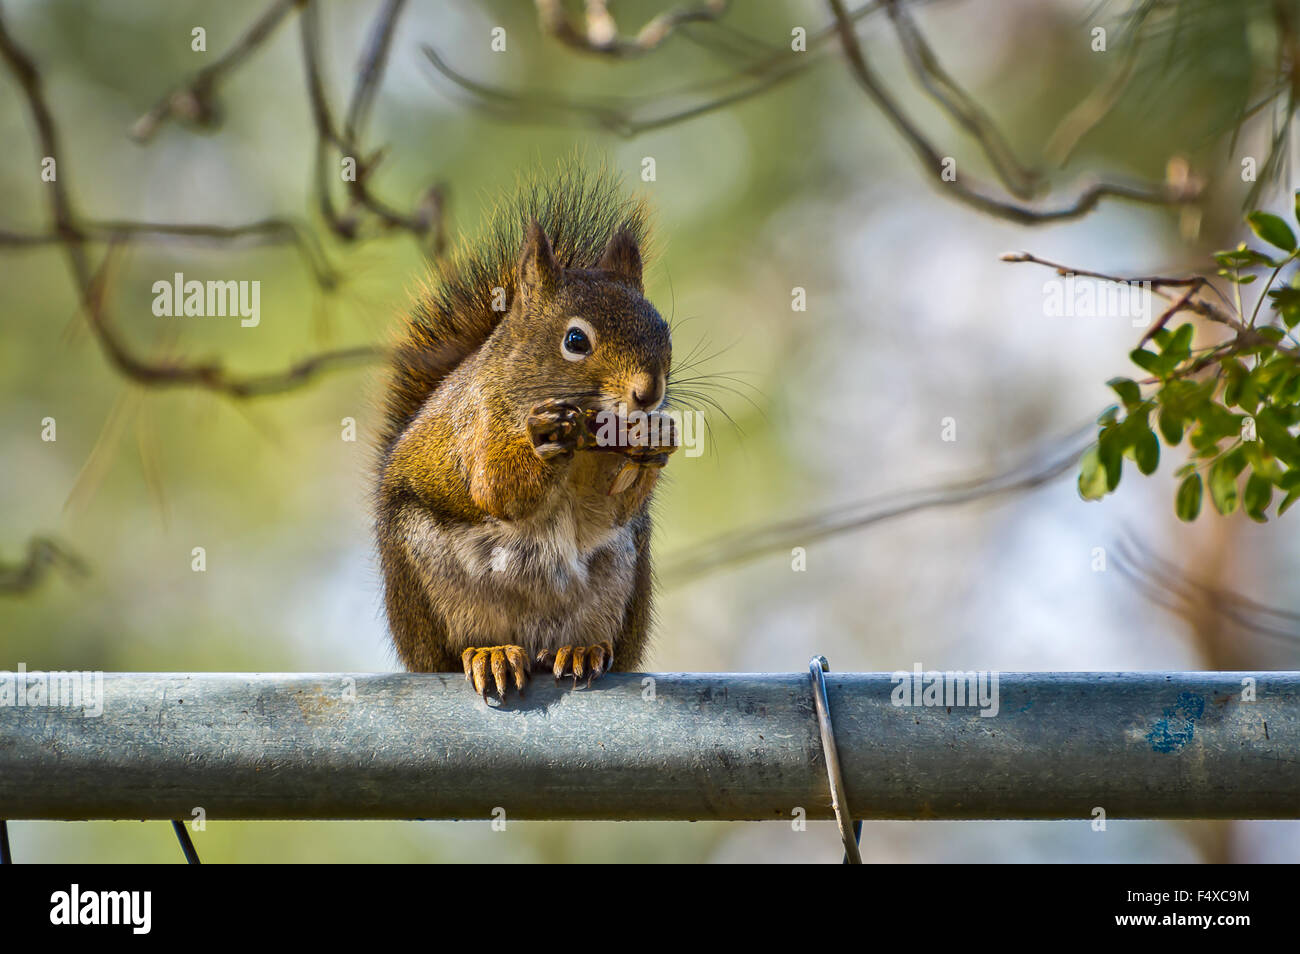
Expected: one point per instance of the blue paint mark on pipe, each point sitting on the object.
(1177, 726)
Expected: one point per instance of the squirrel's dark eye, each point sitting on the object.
(577, 342)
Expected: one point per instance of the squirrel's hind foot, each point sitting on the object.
(577, 661)
(501, 662)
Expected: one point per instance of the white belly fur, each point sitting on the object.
(563, 577)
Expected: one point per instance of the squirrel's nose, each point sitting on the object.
(645, 391)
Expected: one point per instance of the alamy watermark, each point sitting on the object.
(1080, 296)
(973, 688)
(57, 689)
(650, 429)
(215, 299)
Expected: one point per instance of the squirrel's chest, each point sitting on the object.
(553, 580)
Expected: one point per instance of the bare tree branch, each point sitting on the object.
(209, 375)
(601, 33)
(1245, 335)
(91, 285)
(427, 218)
(1169, 586)
(957, 103)
(43, 555)
(272, 231)
(933, 161)
(1058, 457)
(195, 101)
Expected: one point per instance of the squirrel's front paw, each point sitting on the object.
(556, 429)
(578, 661)
(501, 662)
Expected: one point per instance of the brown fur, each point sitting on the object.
(488, 534)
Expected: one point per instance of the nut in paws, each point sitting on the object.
(556, 429)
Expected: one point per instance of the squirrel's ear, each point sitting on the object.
(623, 257)
(539, 272)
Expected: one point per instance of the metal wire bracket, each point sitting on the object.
(850, 831)
(187, 846)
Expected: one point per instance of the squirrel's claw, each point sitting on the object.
(577, 661)
(555, 428)
(501, 662)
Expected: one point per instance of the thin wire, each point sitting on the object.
(850, 831)
(187, 846)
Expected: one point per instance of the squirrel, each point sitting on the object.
(511, 538)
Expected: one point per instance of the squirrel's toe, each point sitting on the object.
(578, 661)
(501, 663)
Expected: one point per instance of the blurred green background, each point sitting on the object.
(911, 318)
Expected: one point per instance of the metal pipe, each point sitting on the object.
(667, 746)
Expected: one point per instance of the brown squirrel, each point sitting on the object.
(510, 538)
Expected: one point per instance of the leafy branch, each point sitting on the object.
(1235, 401)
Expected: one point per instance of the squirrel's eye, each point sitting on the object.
(577, 343)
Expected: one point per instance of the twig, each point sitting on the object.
(371, 69)
(618, 117)
(1060, 456)
(210, 375)
(932, 161)
(43, 554)
(958, 104)
(425, 222)
(264, 231)
(1168, 313)
(1247, 337)
(194, 101)
(91, 286)
(601, 35)
(1168, 586)
(621, 115)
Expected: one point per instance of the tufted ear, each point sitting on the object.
(539, 272)
(622, 257)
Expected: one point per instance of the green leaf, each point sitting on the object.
(1272, 230)
(1262, 461)
(1236, 374)
(1286, 302)
(1110, 450)
(1246, 393)
(1269, 377)
(1127, 390)
(1288, 392)
(1217, 422)
(1259, 494)
(1185, 397)
(1092, 476)
(1287, 501)
(1146, 451)
(1146, 360)
(1181, 344)
(1273, 432)
(1171, 426)
(1223, 482)
(1187, 504)
(1243, 257)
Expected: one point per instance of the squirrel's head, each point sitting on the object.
(588, 333)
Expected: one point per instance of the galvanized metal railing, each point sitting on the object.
(657, 746)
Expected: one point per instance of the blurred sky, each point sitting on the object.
(911, 319)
